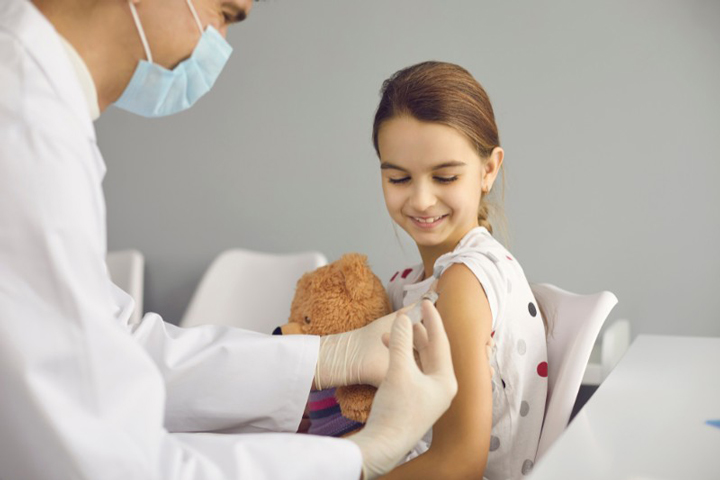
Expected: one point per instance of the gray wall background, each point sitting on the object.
(608, 112)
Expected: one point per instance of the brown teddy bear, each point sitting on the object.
(341, 296)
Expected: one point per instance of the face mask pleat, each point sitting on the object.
(155, 91)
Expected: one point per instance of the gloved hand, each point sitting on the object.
(408, 401)
(358, 357)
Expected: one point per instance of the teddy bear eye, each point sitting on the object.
(307, 319)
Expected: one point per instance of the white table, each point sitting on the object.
(647, 419)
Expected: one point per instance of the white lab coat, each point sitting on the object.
(82, 394)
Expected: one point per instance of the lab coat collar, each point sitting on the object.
(84, 77)
(38, 36)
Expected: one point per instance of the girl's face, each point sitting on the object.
(432, 180)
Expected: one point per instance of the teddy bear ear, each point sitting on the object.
(359, 277)
(326, 278)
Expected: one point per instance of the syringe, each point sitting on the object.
(415, 313)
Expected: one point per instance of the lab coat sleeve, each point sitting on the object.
(226, 379)
(265, 456)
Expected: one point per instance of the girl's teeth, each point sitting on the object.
(428, 220)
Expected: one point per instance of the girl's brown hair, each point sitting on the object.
(443, 93)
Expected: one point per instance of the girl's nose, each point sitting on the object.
(422, 198)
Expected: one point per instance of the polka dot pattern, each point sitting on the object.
(542, 369)
(527, 467)
(521, 347)
(532, 309)
(494, 443)
(524, 408)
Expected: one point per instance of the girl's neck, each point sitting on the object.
(430, 254)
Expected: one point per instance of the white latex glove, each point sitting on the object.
(358, 357)
(408, 401)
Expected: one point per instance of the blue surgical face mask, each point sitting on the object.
(155, 91)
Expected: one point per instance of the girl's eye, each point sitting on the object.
(399, 180)
(446, 179)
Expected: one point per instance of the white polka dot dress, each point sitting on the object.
(520, 360)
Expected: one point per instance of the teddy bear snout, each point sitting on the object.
(291, 328)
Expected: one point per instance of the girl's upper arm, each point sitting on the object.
(463, 432)
(461, 437)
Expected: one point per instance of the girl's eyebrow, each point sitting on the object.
(390, 166)
(452, 163)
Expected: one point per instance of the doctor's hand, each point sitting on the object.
(358, 357)
(408, 401)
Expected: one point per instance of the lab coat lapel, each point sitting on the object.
(42, 41)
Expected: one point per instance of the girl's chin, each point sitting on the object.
(438, 239)
(428, 240)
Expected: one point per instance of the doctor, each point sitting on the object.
(86, 395)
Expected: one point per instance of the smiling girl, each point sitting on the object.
(439, 150)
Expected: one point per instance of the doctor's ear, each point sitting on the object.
(491, 168)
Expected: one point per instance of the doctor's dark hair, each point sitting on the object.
(442, 93)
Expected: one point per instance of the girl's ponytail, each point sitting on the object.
(484, 214)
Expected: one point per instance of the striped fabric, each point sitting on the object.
(325, 416)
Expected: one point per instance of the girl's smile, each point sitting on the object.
(428, 222)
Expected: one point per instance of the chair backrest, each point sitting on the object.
(574, 322)
(248, 289)
(615, 342)
(127, 271)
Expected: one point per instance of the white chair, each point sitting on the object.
(616, 341)
(574, 322)
(607, 352)
(248, 289)
(127, 270)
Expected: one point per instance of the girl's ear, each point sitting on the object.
(491, 168)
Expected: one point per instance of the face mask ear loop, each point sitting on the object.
(195, 15)
(140, 31)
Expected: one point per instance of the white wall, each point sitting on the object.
(608, 112)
